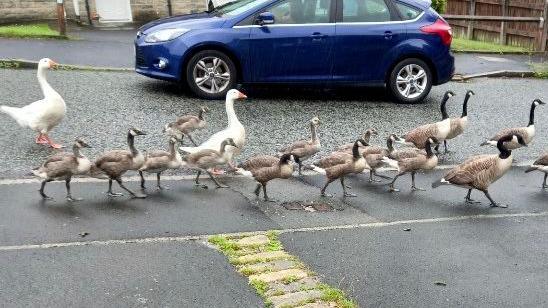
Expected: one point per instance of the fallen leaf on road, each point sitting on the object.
(407, 229)
(440, 283)
(83, 234)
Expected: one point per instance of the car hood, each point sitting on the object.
(190, 21)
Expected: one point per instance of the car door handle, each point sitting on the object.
(388, 35)
(317, 36)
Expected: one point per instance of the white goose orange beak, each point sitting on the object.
(242, 96)
(53, 64)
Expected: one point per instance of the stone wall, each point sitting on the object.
(12, 11)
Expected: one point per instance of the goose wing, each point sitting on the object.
(259, 161)
(522, 131)
(474, 169)
(419, 135)
(295, 146)
(412, 163)
(114, 162)
(405, 153)
(335, 158)
(156, 160)
(542, 160)
(203, 159)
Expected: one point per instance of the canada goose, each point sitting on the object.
(159, 161)
(186, 124)
(478, 172)
(413, 163)
(63, 166)
(43, 115)
(305, 149)
(339, 164)
(347, 147)
(541, 164)
(207, 158)
(234, 130)
(117, 162)
(458, 124)
(265, 168)
(440, 130)
(527, 132)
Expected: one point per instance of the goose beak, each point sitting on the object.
(241, 95)
(53, 64)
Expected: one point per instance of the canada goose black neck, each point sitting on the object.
(443, 108)
(428, 149)
(355, 151)
(284, 159)
(223, 147)
(532, 113)
(465, 104)
(201, 114)
(390, 144)
(131, 144)
(504, 152)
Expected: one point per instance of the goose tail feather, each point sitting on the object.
(16, 113)
(440, 182)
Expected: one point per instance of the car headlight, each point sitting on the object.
(165, 35)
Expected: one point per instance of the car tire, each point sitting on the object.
(213, 80)
(410, 81)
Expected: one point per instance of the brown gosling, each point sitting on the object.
(414, 163)
(117, 162)
(63, 166)
(265, 168)
(418, 136)
(305, 149)
(187, 124)
(206, 159)
(541, 164)
(340, 164)
(527, 133)
(478, 172)
(159, 161)
(347, 147)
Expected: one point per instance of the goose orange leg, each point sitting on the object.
(40, 139)
(51, 143)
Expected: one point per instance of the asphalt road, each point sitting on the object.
(486, 256)
(102, 106)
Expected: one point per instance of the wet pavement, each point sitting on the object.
(102, 106)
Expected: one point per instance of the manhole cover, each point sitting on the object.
(292, 205)
(322, 207)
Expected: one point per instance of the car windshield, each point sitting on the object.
(234, 8)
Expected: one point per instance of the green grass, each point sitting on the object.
(330, 294)
(29, 31)
(460, 44)
(541, 70)
(260, 286)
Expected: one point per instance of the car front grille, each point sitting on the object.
(139, 57)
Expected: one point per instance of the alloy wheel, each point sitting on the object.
(411, 81)
(211, 74)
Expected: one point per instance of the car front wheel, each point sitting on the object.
(410, 81)
(210, 74)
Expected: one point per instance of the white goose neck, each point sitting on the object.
(47, 90)
(231, 113)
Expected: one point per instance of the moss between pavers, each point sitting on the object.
(244, 256)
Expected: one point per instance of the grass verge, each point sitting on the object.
(460, 44)
(41, 31)
(541, 70)
(230, 247)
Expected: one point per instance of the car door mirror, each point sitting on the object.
(265, 18)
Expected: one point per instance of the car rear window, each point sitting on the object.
(365, 11)
(407, 12)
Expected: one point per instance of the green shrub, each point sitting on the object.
(439, 5)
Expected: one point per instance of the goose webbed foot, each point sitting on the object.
(222, 186)
(415, 188)
(349, 195)
(45, 197)
(72, 199)
(471, 201)
(204, 186)
(498, 205)
(139, 196)
(324, 194)
(393, 189)
(114, 195)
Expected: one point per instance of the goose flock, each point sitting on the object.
(420, 152)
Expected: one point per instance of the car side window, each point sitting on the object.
(365, 11)
(301, 11)
(407, 12)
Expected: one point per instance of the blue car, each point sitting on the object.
(403, 45)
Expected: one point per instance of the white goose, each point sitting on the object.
(234, 130)
(43, 115)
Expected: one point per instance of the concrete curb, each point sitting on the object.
(500, 52)
(502, 73)
(26, 64)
